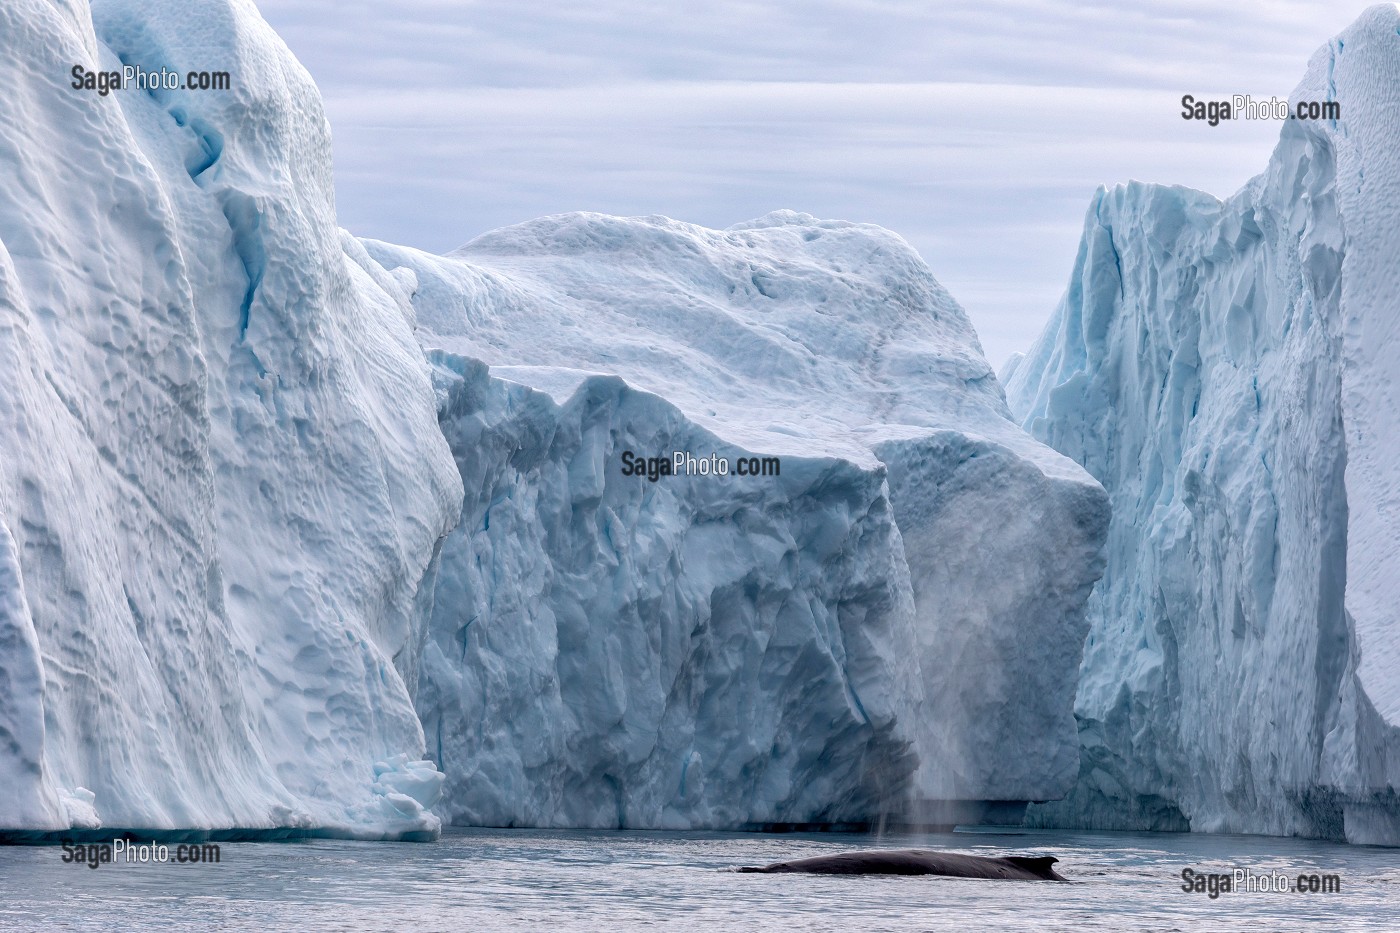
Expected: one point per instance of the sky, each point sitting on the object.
(977, 131)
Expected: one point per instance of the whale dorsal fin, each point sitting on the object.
(1040, 864)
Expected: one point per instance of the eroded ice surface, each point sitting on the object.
(221, 479)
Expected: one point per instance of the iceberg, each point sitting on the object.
(890, 624)
(222, 484)
(1227, 370)
(302, 534)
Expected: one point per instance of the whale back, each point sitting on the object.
(920, 862)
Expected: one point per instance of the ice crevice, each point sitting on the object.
(244, 218)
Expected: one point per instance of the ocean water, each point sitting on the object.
(617, 881)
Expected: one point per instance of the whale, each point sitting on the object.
(920, 862)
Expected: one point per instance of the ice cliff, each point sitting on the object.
(1228, 370)
(896, 615)
(235, 443)
(222, 484)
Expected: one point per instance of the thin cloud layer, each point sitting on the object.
(977, 132)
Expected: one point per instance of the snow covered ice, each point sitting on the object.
(235, 443)
(1229, 371)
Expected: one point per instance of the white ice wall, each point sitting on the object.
(1227, 370)
(221, 480)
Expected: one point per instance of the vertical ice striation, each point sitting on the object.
(1228, 371)
(610, 652)
(894, 621)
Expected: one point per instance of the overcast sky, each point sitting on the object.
(978, 131)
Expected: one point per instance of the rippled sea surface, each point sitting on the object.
(615, 881)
